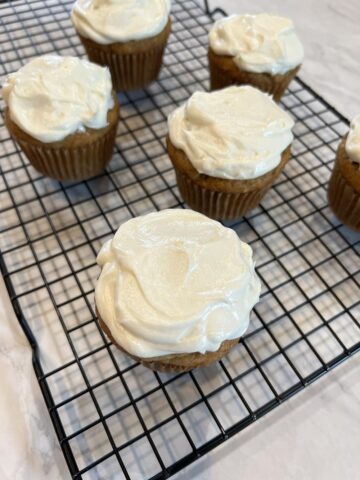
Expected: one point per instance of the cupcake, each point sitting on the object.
(261, 50)
(227, 148)
(175, 290)
(63, 113)
(127, 36)
(344, 185)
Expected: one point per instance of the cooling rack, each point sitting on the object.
(115, 419)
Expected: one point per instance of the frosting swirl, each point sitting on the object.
(52, 97)
(258, 43)
(175, 282)
(352, 145)
(111, 21)
(234, 133)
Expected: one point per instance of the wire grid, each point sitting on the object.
(114, 418)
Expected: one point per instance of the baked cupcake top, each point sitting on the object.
(175, 282)
(258, 43)
(112, 21)
(352, 144)
(52, 97)
(234, 133)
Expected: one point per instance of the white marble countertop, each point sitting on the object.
(313, 435)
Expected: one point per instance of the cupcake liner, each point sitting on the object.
(79, 156)
(218, 205)
(219, 198)
(176, 363)
(130, 71)
(71, 163)
(343, 196)
(224, 72)
(133, 64)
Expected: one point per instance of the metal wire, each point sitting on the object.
(114, 418)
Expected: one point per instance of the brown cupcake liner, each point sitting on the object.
(176, 363)
(219, 198)
(71, 164)
(344, 190)
(132, 64)
(224, 72)
(77, 157)
(218, 205)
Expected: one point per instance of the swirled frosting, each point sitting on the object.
(352, 144)
(258, 43)
(234, 133)
(175, 282)
(52, 97)
(111, 21)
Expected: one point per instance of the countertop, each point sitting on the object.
(313, 435)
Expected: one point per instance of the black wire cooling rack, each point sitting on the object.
(114, 418)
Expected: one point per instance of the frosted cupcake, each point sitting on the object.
(127, 36)
(168, 296)
(63, 113)
(344, 185)
(227, 148)
(261, 50)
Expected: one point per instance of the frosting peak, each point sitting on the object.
(52, 97)
(234, 133)
(352, 145)
(112, 21)
(258, 43)
(175, 282)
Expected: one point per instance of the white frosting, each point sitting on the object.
(352, 145)
(234, 133)
(52, 97)
(111, 21)
(175, 282)
(258, 43)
